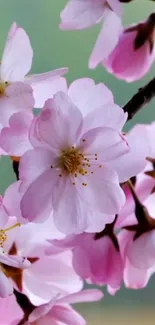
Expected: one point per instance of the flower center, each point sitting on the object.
(3, 86)
(70, 161)
(3, 235)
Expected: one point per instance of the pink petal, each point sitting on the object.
(88, 295)
(47, 84)
(141, 252)
(70, 205)
(15, 261)
(12, 197)
(106, 142)
(135, 160)
(35, 162)
(17, 56)
(6, 287)
(36, 203)
(21, 95)
(135, 278)
(41, 311)
(81, 14)
(47, 278)
(102, 192)
(54, 123)
(105, 43)
(4, 217)
(101, 116)
(15, 138)
(11, 313)
(81, 262)
(88, 96)
(67, 315)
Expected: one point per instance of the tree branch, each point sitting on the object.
(143, 97)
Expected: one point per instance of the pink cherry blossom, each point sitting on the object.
(11, 313)
(72, 164)
(91, 259)
(81, 14)
(59, 311)
(134, 54)
(16, 92)
(46, 276)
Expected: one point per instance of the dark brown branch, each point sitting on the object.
(143, 97)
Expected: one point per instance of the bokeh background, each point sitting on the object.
(53, 49)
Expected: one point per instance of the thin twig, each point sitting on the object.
(140, 99)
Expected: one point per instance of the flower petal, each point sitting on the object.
(17, 55)
(45, 85)
(141, 252)
(87, 295)
(106, 142)
(67, 315)
(36, 204)
(109, 115)
(14, 139)
(102, 192)
(55, 126)
(105, 44)
(134, 161)
(35, 162)
(6, 287)
(88, 96)
(81, 14)
(69, 211)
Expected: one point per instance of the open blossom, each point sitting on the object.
(81, 14)
(91, 258)
(134, 54)
(59, 311)
(45, 276)
(16, 90)
(68, 170)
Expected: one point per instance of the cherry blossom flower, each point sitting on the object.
(81, 14)
(16, 91)
(134, 54)
(59, 309)
(46, 276)
(11, 313)
(91, 258)
(71, 164)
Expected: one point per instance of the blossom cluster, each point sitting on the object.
(82, 209)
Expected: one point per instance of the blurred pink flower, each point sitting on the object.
(59, 311)
(16, 91)
(68, 170)
(134, 54)
(81, 14)
(46, 276)
(91, 259)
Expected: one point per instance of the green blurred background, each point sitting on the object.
(53, 49)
